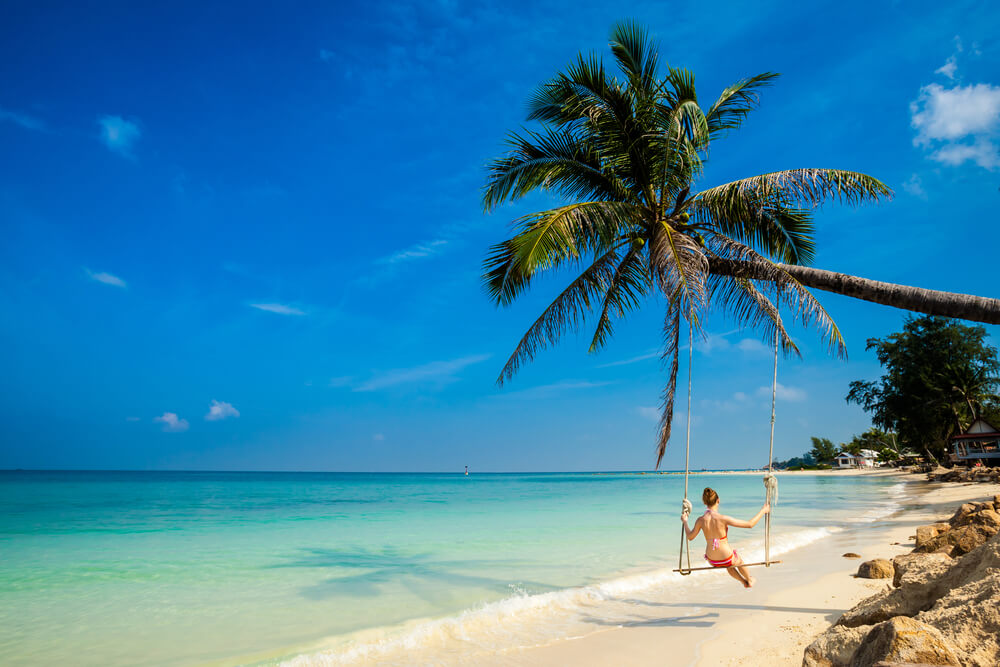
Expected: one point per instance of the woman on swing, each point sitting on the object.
(716, 528)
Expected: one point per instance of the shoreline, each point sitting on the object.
(774, 622)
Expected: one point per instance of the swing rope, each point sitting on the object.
(686, 506)
(770, 480)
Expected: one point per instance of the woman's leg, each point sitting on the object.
(748, 580)
(735, 574)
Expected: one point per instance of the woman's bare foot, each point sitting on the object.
(749, 583)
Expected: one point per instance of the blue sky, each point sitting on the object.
(249, 237)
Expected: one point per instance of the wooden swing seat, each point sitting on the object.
(693, 569)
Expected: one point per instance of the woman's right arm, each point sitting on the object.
(737, 523)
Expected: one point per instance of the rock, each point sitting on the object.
(905, 640)
(961, 513)
(834, 647)
(996, 500)
(968, 616)
(948, 550)
(964, 538)
(988, 518)
(851, 554)
(925, 534)
(879, 568)
(919, 568)
(942, 526)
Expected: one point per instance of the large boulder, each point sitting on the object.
(919, 568)
(904, 640)
(879, 568)
(834, 647)
(987, 518)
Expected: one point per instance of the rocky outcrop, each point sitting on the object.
(905, 640)
(942, 611)
(879, 568)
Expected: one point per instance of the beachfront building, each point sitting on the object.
(979, 444)
(865, 459)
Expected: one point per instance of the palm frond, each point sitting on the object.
(671, 350)
(551, 160)
(628, 285)
(736, 102)
(801, 187)
(635, 55)
(786, 289)
(550, 238)
(567, 311)
(770, 226)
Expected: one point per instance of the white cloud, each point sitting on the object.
(915, 187)
(22, 119)
(106, 278)
(378, 437)
(739, 396)
(278, 308)
(172, 423)
(983, 152)
(418, 251)
(957, 124)
(783, 393)
(650, 413)
(118, 134)
(948, 69)
(219, 410)
(436, 372)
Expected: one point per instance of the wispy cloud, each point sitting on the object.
(633, 360)
(958, 124)
(220, 410)
(22, 119)
(118, 134)
(106, 278)
(172, 423)
(435, 373)
(554, 389)
(948, 69)
(417, 251)
(279, 308)
(783, 393)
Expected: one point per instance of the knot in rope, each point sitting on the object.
(771, 488)
(686, 509)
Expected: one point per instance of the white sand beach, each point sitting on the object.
(770, 624)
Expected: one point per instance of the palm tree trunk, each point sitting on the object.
(916, 299)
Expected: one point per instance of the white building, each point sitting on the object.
(866, 459)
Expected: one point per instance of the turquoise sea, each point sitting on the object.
(179, 568)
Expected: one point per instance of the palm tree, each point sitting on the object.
(627, 152)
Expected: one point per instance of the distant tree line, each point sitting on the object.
(940, 376)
